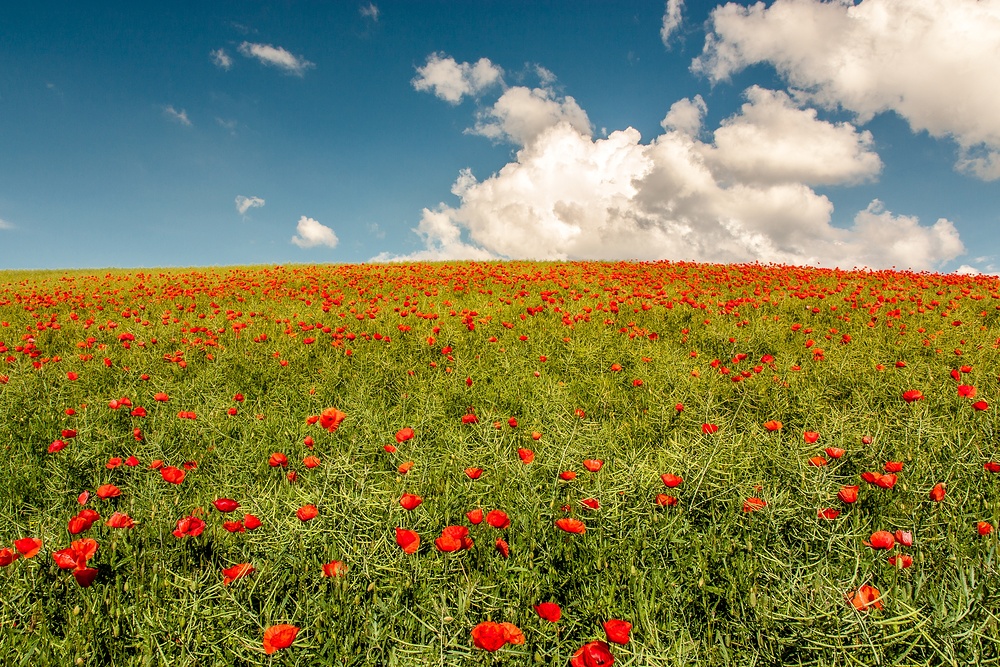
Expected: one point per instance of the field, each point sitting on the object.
(698, 464)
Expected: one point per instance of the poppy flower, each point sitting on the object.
(593, 654)
(7, 556)
(980, 406)
(28, 547)
(966, 391)
(231, 574)
(580, 413)
(502, 547)
(189, 526)
(232, 412)
(881, 539)
(615, 368)
(331, 418)
(405, 467)
(893, 466)
(567, 475)
(912, 395)
(404, 434)
(593, 465)
(526, 455)
(334, 568)
(113, 463)
(489, 636)
(671, 480)
(984, 528)
(407, 540)
(470, 419)
(234, 527)
(278, 637)
(475, 516)
(83, 497)
(56, 446)
(131, 461)
(390, 449)
(937, 493)
(251, 522)
(902, 561)
(569, 525)
(453, 538)
(617, 631)
(663, 500)
(277, 459)
(410, 501)
(172, 474)
(498, 519)
(120, 520)
(709, 429)
(306, 512)
(106, 491)
(160, 397)
(474, 473)
(905, 538)
(753, 504)
(548, 611)
(591, 503)
(817, 461)
(773, 425)
(834, 452)
(829, 513)
(310, 462)
(225, 504)
(991, 466)
(535, 435)
(85, 576)
(848, 494)
(865, 597)
(810, 436)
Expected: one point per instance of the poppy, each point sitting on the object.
(567, 475)
(569, 525)
(617, 631)
(526, 455)
(829, 513)
(981, 406)
(410, 501)
(172, 474)
(663, 500)
(773, 425)
(225, 505)
(548, 611)
(498, 519)
(277, 459)
(120, 520)
(251, 522)
(905, 538)
(848, 494)
(331, 418)
(56, 446)
(160, 397)
(753, 504)
(408, 540)
(310, 462)
(817, 461)
(881, 539)
(83, 497)
(390, 449)
(405, 467)
(489, 636)
(834, 452)
(984, 528)
(306, 512)
(502, 547)
(709, 429)
(278, 637)
(810, 436)
(912, 395)
(470, 419)
(234, 527)
(113, 463)
(591, 503)
(902, 561)
(404, 434)
(593, 654)
(580, 413)
(231, 574)
(453, 538)
(474, 473)
(334, 568)
(593, 465)
(865, 597)
(131, 461)
(671, 480)
(106, 491)
(615, 368)
(991, 466)
(85, 576)
(535, 435)
(7, 556)
(189, 526)
(937, 493)
(966, 391)
(232, 412)
(28, 546)
(893, 466)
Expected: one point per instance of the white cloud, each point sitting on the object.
(370, 11)
(671, 20)
(276, 56)
(221, 59)
(244, 204)
(569, 196)
(521, 114)
(933, 62)
(310, 233)
(5, 225)
(451, 81)
(177, 116)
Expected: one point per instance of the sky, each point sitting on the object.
(809, 132)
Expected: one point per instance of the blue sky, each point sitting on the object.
(796, 131)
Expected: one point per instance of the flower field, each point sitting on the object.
(511, 463)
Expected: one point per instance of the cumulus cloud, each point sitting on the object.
(451, 81)
(221, 59)
(933, 62)
(244, 204)
(671, 20)
(177, 116)
(276, 56)
(310, 233)
(744, 194)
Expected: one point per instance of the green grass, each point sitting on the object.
(703, 583)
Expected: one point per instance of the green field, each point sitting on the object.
(629, 364)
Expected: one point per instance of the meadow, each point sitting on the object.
(499, 463)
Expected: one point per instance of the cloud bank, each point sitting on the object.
(276, 56)
(933, 62)
(310, 233)
(745, 194)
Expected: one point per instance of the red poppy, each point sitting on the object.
(865, 597)
(912, 395)
(232, 412)
(131, 461)
(160, 397)
(453, 538)
(617, 631)
(475, 516)
(56, 446)
(569, 525)
(231, 574)
(106, 491)
(708, 429)
(470, 419)
(502, 547)
(902, 561)
(881, 539)
(310, 462)
(834, 452)
(548, 611)
(189, 526)
(331, 418)
(251, 522)
(937, 493)
(773, 425)
(616, 367)
(279, 637)
(526, 455)
(404, 434)
(810, 436)
(85, 576)
(120, 520)
(754, 504)
(391, 449)
(306, 512)
(277, 459)
(829, 513)
(234, 527)
(580, 413)
(410, 501)
(489, 636)
(535, 435)
(28, 547)
(83, 497)
(225, 505)
(593, 654)
(817, 461)
(591, 503)
(498, 519)
(405, 467)
(593, 465)
(981, 406)
(966, 391)
(113, 463)
(671, 480)
(408, 540)
(663, 500)
(905, 538)
(172, 474)
(474, 473)
(7, 556)
(848, 494)
(991, 466)
(567, 475)
(893, 466)
(334, 568)
(984, 528)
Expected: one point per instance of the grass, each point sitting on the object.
(702, 582)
